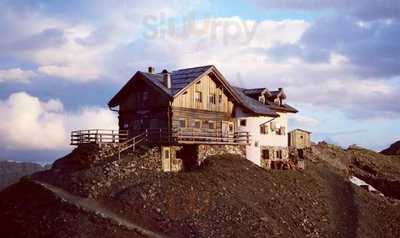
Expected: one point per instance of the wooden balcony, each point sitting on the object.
(161, 136)
(210, 136)
(98, 136)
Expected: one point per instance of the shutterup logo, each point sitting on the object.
(227, 31)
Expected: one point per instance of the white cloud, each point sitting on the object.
(301, 121)
(31, 124)
(16, 75)
(73, 72)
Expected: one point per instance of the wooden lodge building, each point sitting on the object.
(197, 106)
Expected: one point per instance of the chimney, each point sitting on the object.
(151, 70)
(166, 78)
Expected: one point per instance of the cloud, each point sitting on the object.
(75, 72)
(16, 75)
(316, 76)
(368, 10)
(72, 44)
(372, 49)
(301, 121)
(31, 124)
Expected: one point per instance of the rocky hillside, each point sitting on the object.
(11, 171)
(394, 149)
(227, 197)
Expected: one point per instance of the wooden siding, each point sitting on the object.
(207, 86)
(134, 101)
(193, 115)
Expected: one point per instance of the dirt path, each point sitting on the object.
(92, 206)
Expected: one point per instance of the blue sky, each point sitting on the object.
(61, 61)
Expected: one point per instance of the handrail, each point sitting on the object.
(131, 143)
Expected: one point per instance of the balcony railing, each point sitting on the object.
(98, 136)
(161, 136)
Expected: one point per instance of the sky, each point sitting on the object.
(61, 61)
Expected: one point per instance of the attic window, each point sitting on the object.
(145, 95)
(243, 122)
(184, 93)
(198, 96)
(212, 99)
(219, 98)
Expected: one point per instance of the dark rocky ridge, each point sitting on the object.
(394, 149)
(11, 171)
(227, 197)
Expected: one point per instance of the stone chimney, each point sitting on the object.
(151, 70)
(166, 78)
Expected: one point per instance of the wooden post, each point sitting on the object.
(133, 144)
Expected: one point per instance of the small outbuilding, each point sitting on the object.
(299, 139)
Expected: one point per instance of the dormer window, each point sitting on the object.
(261, 99)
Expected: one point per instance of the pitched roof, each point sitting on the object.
(182, 78)
(253, 91)
(284, 107)
(254, 105)
(179, 78)
(298, 129)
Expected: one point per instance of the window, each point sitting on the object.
(265, 154)
(261, 99)
(166, 153)
(301, 137)
(230, 128)
(197, 124)
(243, 122)
(273, 126)
(219, 98)
(212, 99)
(281, 131)
(198, 96)
(279, 154)
(145, 96)
(264, 129)
(182, 123)
(126, 125)
(256, 143)
(211, 125)
(136, 124)
(154, 123)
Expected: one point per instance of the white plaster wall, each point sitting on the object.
(253, 152)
